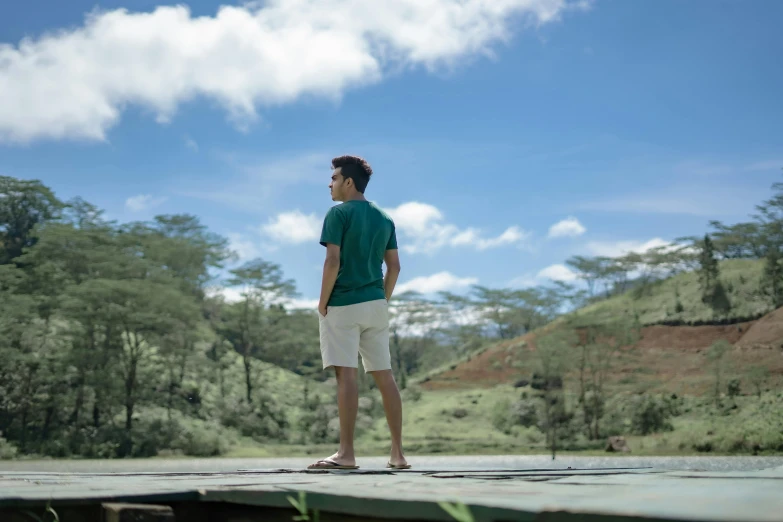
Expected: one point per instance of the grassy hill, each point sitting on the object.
(657, 303)
(469, 406)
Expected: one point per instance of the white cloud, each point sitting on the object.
(424, 225)
(233, 294)
(558, 273)
(293, 227)
(569, 227)
(301, 304)
(75, 83)
(191, 144)
(229, 294)
(143, 202)
(442, 281)
(245, 249)
(524, 281)
(620, 248)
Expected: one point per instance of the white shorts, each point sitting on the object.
(361, 328)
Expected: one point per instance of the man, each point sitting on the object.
(354, 306)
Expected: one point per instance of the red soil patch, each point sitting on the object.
(764, 333)
(691, 338)
(668, 355)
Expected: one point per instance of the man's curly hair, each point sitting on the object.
(355, 168)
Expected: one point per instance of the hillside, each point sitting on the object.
(670, 353)
(480, 403)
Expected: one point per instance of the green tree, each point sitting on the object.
(590, 270)
(772, 280)
(261, 284)
(739, 241)
(599, 352)
(709, 272)
(553, 361)
(716, 355)
(713, 292)
(758, 376)
(24, 204)
(770, 218)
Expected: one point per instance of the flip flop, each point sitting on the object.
(393, 466)
(330, 464)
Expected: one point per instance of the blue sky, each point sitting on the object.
(487, 124)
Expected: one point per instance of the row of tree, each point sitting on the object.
(102, 321)
(99, 319)
(761, 238)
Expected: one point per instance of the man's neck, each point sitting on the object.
(355, 197)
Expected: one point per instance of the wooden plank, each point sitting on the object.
(619, 494)
(114, 512)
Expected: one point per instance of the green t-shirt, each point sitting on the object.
(364, 233)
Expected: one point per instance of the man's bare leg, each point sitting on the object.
(392, 405)
(347, 406)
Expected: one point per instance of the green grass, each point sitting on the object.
(657, 305)
(431, 428)
(431, 424)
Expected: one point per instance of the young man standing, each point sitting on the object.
(354, 306)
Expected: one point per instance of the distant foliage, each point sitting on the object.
(650, 415)
(7, 450)
(772, 281)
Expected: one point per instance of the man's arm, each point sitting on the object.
(392, 260)
(331, 269)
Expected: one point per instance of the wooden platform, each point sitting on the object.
(545, 495)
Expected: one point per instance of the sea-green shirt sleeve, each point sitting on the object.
(392, 244)
(333, 228)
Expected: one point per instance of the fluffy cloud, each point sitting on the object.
(569, 227)
(558, 273)
(142, 202)
(442, 281)
(427, 231)
(620, 248)
(233, 294)
(293, 227)
(75, 83)
(245, 249)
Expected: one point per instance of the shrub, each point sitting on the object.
(650, 415)
(262, 420)
(501, 419)
(524, 413)
(203, 439)
(733, 388)
(460, 413)
(7, 450)
(412, 393)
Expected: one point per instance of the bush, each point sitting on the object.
(733, 388)
(524, 413)
(7, 450)
(202, 439)
(501, 419)
(262, 420)
(412, 393)
(460, 413)
(650, 415)
(552, 383)
(314, 422)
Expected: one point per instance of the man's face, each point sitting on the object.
(337, 186)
